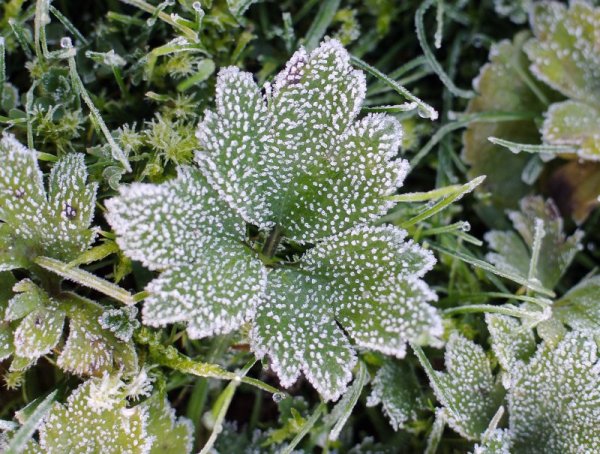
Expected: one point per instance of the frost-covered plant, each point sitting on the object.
(293, 161)
(562, 55)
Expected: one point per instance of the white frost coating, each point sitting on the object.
(58, 220)
(366, 280)
(468, 390)
(209, 278)
(297, 157)
(554, 402)
(81, 427)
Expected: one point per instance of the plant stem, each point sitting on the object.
(305, 429)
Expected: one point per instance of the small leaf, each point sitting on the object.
(210, 279)
(54, 224)
(396, 387)
(580, 307)
(296, 157)
(574, 123)
(96, 419)
(554, 401)
(39, 332)
(467, 389)
(28, 298)
(497, 442)
(556, 251)
(171, 435)
(342, 282)
(121, 322)
(564, 51)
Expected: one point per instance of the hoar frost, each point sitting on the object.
(298, 159)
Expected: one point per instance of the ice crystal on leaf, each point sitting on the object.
(468, 390)
(513, 253)
(297, 157)
(396, 387)
(497, 442)
(340, 284)
(554, 401)
(53, 222)
(210, 280)
(96, 418)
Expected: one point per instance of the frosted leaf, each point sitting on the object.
(39, 332)
(90, 349)
(210, 279)
(121, 322)
(6, 332)
(28, 298)
(501, 88)
(396, 387)
(79, 427)
(556, 252)
(343, 281)
(580, 307)
(574, 123)
(564, 52)
(467, 389)
(296, 157)
(554, 402)
(56, 223)
(171, 435)
(515, 10)
(511, 341)
(497, 442)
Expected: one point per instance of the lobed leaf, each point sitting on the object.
(54, 223)
(171, 435)
(396, 387)
(210, 279)
(554, 400)
(579, 308)
(467, 389)
(340, 284)
(296, 157)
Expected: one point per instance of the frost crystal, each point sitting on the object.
(555, 399)
(340, 284)
(53, 223)
(210, 280)
(297, 157)
(396, 387)
(468, 389)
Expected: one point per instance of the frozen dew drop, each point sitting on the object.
(465, 226)
(66, 43)
(278, 397)
(197, 7)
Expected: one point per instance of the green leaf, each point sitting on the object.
(340, 284)
(580, 307)
(54, 223)
(297, 158)
(96, 419)
(556, 251)
(554, 401)
(171, 435)
(564, 51)
(210, 280)
(121, 322)
(574, 123)
(511, 341)
(467, 389)
(90, 349)
(396, 387)
(28, 298)
(502, 86)
(39, 332)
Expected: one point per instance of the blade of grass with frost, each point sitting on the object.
(23, 435)
(516, 147)
(2, 66)
(319, 25)
(442, 204)
(116, 150)
(492, 269)
(86, 279)
(221, 406)
(343, 409)
(170, 19)
(305, 429)
(423, 109)
(437, 68)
